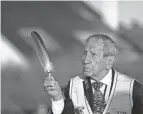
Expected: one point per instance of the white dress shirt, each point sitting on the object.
(57, 106)
(106, 81)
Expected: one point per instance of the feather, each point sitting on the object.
(42, 52)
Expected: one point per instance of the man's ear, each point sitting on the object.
(111, 60)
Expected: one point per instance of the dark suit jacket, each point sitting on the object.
(137, 98)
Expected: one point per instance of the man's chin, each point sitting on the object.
(88, 74)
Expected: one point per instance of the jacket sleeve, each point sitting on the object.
(68, 104)
(137, 98)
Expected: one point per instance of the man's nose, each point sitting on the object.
(85, 59)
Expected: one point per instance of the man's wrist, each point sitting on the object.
(58, 98)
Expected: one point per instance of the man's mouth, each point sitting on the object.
(86, 69)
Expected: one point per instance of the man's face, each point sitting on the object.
(93, 61)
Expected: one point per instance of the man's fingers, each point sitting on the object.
(49, 83)
(49, 78)
(52, 78)
(50, 92)
(49, 88)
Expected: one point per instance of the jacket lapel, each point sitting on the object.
(88, 91)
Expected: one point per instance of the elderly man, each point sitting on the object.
(101, 89)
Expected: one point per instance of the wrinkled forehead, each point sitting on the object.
(96, 44)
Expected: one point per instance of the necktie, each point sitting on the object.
(98, 98)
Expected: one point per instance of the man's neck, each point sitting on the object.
(100, 75)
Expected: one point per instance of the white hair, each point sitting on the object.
(109, 48)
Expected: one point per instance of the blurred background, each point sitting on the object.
(63, 25)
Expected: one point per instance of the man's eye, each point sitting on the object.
(93, 53)
(85, 52)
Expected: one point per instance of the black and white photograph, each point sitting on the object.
(72, 57)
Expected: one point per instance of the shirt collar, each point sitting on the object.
(107, 79)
